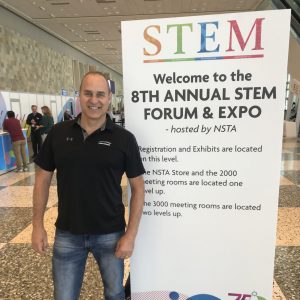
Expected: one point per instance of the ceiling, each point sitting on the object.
(93, 26)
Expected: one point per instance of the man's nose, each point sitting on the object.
(94, 98)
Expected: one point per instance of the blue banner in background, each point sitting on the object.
(3, 110)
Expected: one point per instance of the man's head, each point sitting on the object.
(95, 96)
(33, 108)
(10, 114)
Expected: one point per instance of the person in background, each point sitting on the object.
(34, 121)
(67, 115)
(90, 155)
(13, 127)
(46, 123)
(122, 118)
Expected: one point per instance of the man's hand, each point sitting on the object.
(39, 240)
(40, 197)
(124, 247)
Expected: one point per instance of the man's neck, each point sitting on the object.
(90, 125)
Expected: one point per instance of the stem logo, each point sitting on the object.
(199, 40)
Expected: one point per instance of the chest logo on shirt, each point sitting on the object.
(105, 143)
(69, 139)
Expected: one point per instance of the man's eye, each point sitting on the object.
(100, 95)
(88, 94)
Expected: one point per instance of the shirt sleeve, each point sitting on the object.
(45, 158)
(4, 125)
(134, 164)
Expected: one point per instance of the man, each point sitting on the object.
(13, 127)
(90, 155)
(34, 121)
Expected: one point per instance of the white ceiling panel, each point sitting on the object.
(93, 26)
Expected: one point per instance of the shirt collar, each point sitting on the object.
(107, 125)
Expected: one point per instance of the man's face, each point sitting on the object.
(95, 97)
(34, 109)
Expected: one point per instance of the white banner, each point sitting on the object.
(204, 96)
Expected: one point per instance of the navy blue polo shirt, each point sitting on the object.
(89, 173)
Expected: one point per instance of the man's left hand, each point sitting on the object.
(124, 247)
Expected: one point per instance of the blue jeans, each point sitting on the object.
(69, 258)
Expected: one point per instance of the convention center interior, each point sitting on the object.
(46, 48)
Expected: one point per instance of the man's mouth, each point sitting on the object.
(93, 107)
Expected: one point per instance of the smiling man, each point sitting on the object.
(90, 155)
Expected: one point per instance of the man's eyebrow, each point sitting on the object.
(97, 92)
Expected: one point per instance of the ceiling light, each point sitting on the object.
(105, 1)
(42, 8)
(52, 15)
(60, 3)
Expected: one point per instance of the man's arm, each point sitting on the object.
(4, 126)
(40, 198)
(126, 243)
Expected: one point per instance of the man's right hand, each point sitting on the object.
(39, 240)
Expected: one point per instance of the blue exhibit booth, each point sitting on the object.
(7, 157)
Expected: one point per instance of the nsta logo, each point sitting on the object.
(209, 38)
(253, 296)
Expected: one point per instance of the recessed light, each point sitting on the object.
(52, 15)
(42, 8)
